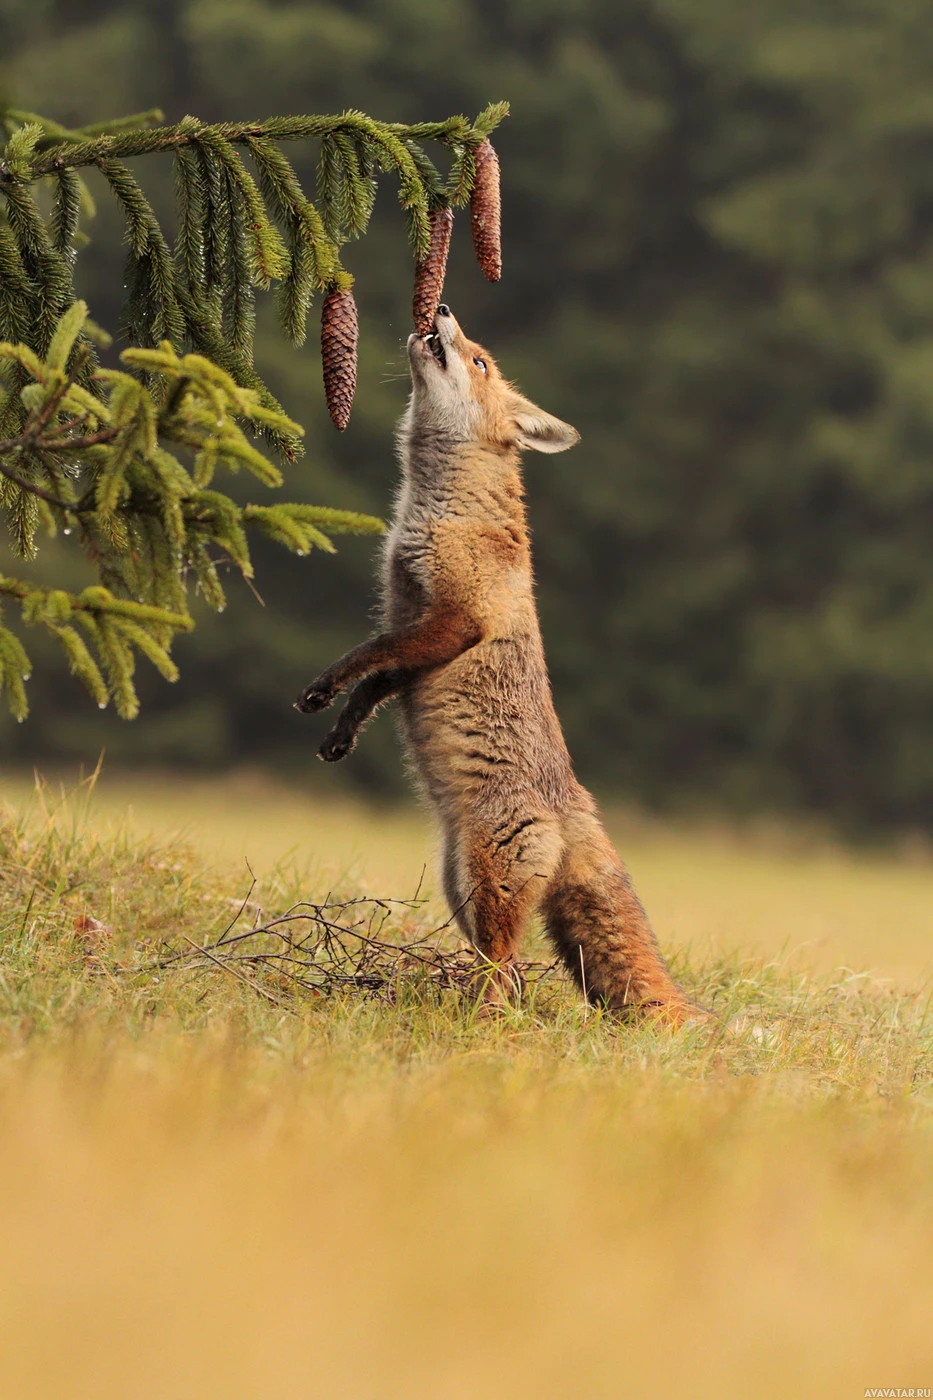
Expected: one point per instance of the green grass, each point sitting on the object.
(152, 899)
(207, 1193)
(712, 890)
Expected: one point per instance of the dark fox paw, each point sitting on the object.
(335, 747)
(317, 696)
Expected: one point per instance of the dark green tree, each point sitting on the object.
(718, 266)
(124, 458)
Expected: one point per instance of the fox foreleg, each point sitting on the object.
(435, 640)
(364, 700)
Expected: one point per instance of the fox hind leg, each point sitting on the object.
(599, 927)
(505, 872)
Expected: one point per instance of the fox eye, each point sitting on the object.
(480, 364)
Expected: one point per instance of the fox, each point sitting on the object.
(460, 648)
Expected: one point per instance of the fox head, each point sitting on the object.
(457, 387)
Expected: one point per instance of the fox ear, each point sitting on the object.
(540, 431)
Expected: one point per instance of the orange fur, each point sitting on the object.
(461, 647)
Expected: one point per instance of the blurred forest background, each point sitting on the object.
(718, 253)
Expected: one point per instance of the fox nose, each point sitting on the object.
(443, 309)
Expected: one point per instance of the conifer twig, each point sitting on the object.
(30, 486)
(131, 454)
(144, 141)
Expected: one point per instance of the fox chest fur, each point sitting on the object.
(459, 548)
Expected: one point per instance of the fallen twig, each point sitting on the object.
(336, 947)
(234, 972)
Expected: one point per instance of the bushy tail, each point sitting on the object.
(600, 929)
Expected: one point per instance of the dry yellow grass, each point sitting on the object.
(202, 1196)
(193, 1225)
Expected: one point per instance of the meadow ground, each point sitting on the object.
(215, 1181)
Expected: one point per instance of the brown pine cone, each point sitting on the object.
(429, 275)
(340, 335)
(486, 212)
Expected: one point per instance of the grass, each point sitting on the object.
(710, 890)
(204, 1192)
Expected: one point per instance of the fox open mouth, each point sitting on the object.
(433, 340)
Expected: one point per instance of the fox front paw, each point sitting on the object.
(336, 746)
(317, 696)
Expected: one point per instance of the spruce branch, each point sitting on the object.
(121, 145)
(125, 459)
(128, 470)
(54, 130)
(236, 232)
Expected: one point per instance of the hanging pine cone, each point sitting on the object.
(486, 212)
(340, 335)
(429, 276)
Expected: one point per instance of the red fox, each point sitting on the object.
(461, 648)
